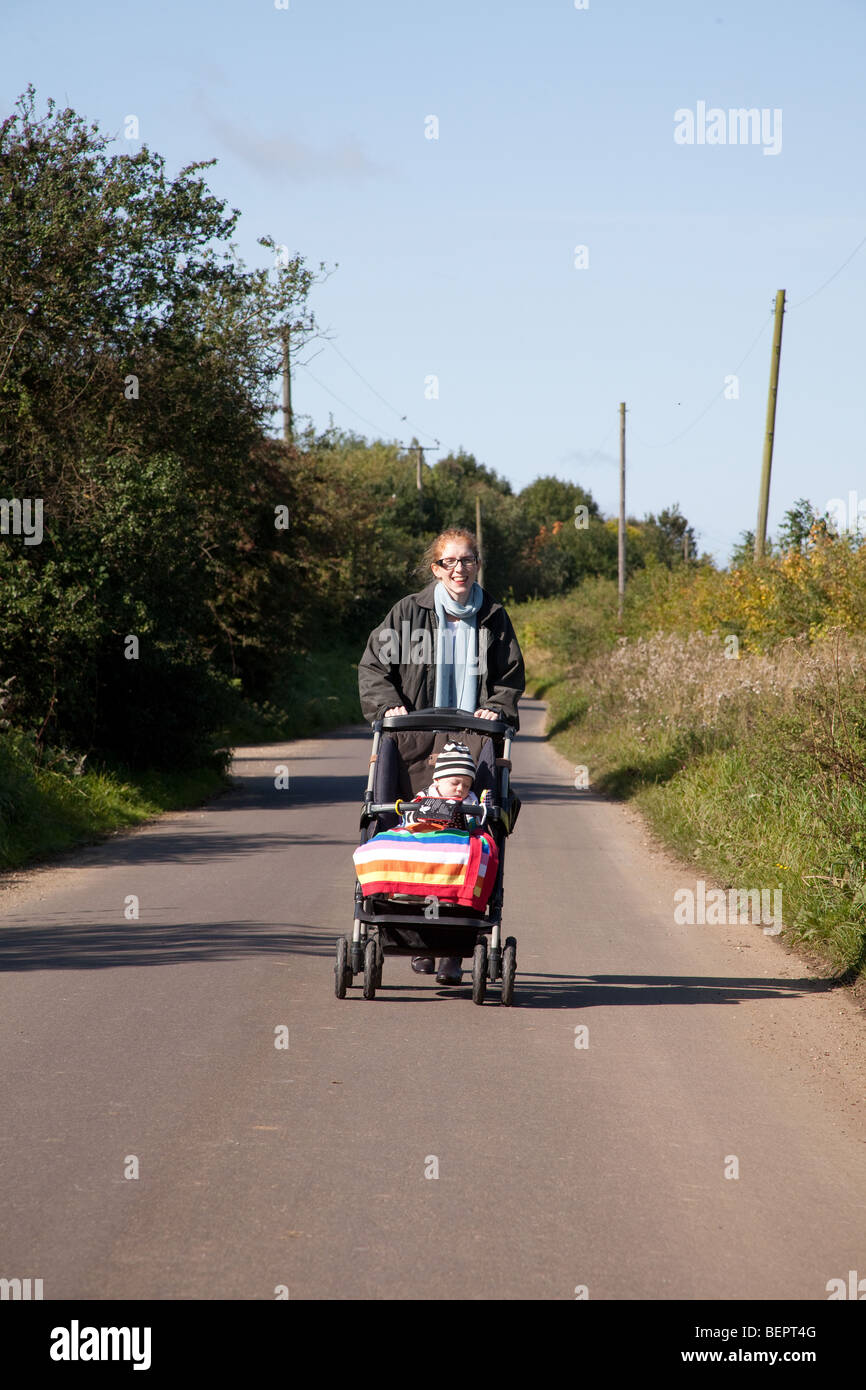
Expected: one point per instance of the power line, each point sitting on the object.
(712, 401)
(788, 308)
(404, 418)
(599, 449)
(832, 278)
(365, 381)
(343, 403)
(585, 463)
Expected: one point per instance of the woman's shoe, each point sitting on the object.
(423, 965)
(450, 971)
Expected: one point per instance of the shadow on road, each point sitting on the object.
(180, 848)
(57, 945)
(169, 844)
(101, 946)
(260, 794)
(538, 991)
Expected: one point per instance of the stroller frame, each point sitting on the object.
(383, 926)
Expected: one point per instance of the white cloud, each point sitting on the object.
(582, 458)
(281, 154)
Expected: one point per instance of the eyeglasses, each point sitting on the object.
(467, 561)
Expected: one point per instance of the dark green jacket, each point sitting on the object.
(388, 675)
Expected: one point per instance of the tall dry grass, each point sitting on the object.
(743, 743)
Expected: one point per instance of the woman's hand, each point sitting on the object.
(397, 709)
(486, 714)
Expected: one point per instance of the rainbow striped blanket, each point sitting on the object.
(454, 865)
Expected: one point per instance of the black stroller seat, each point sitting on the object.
(403, 769)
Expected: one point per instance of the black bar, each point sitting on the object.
(443, 719)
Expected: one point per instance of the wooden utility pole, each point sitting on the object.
(764, 497)
(420, 449)
(287, 390)
(480, 575)
(621, 529)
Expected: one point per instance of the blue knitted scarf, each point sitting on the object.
(457, 652)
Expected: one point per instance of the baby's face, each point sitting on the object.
(453, 787)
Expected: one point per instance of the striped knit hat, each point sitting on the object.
(455, 760)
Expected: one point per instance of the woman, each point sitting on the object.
(449, 645)
(476, 665)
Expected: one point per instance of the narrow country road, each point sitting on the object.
(706, 1138)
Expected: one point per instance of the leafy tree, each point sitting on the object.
(137, 358)
(796, 528)
(743, 552)
(662, 537)
(550, 499)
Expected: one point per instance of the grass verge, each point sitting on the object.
(46, 807)
(751, 769)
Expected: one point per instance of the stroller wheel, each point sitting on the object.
(509, 969)
(342, 972)
(479, 972)
(371, 969)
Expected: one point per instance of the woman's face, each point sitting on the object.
(458, 580)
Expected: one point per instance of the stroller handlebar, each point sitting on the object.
(444, 718)
(481, 812)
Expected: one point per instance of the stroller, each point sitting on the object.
(425, 924)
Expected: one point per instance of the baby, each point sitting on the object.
(453, 776)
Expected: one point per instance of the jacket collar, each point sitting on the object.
(424, 599)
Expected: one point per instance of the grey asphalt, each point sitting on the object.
(149, 1044)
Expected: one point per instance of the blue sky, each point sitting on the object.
(456, 255)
